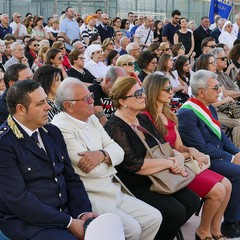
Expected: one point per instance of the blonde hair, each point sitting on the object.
(124, 59)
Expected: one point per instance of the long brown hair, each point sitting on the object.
(154, 84)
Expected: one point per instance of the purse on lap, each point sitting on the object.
(194, 166)
(165, 182)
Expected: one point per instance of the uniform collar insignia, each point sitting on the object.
(14, 127)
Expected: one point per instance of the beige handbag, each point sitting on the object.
(194, 166)
(165, 182)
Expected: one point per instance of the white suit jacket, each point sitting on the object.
(103, 192)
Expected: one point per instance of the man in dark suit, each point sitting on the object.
(199, 128)
(200, 33)
(14, 73)
(217, 31)
(41, 196)
(104, 30)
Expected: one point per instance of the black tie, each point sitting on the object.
(35, 137)
(105, 27)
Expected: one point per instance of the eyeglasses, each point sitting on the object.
(213, 63)
(36, 45)
(62, 48)
(212, 46)
(129, 64)
(215, 88)
(82, 58)
(136, 49)
(167, 49)
(168, 88)
(88, 99)
(137, 94)
(18, 16)
(222, 58)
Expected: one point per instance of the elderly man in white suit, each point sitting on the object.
(94, 154)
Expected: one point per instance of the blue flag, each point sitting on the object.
(220, 7)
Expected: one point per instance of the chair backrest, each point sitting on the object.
(107, 226)
(3, 237)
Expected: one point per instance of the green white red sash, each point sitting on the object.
(204, 114)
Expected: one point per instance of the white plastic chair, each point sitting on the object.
(107, 226)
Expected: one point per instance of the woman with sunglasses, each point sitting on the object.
(129, 99)
(107, 47)
(50, 79)
(77, 70)
(227, 36)
(61, 46)
(54, 57)
(126, 62)
(31, 51)
(211, 186)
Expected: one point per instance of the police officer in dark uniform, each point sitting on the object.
(40, 195)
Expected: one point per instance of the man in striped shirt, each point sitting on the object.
(89, 30)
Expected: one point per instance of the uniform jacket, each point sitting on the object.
(37, 189)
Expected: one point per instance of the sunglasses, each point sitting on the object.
(222, 58)
(88, 99)
(212, 46)
(167, 49)
(36, 45)
(137, 94)
(111, 43)
(129, 64)
(168, 88)
(62, 48)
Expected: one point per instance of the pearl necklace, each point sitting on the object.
(126, 120)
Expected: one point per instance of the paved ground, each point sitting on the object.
(188, 229)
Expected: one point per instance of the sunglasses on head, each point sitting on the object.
(88, 99)
(137, 94)
(129, 64)
(168, 88)
(222, 58)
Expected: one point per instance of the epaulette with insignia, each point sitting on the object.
(3, 131)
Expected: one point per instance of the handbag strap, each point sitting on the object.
(146, 39)
(144, 130)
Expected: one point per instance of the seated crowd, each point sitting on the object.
(80, 98)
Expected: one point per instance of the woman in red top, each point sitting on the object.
(212, 186)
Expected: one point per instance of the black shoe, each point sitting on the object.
(230, 230)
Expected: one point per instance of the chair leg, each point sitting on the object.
(180, 235)
(200, 207)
